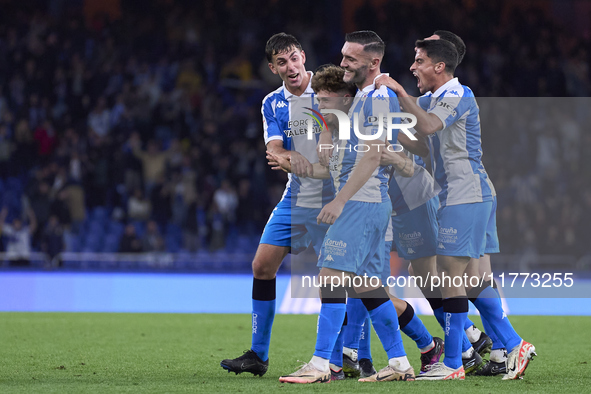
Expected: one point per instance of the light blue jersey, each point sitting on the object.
(285, 118)
(369, 103)
(457, 151)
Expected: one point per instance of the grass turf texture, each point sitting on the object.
(168, 353)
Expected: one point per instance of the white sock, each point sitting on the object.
(468, 353)
(351, 353)
(334, 367)
(320, 363)
(427, 348)
(399, 363)
(498, 355)
(473, 334)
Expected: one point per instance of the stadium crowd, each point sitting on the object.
(143, 132)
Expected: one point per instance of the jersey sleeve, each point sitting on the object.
(449, 110)
(270, 126)
(423, 102)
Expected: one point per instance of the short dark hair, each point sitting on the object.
(440, 51)
(454, 39)
(369, 39)
(279, 43)
(330, 78)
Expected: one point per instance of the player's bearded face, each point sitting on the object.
(355, 62)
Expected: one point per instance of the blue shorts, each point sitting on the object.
(294, 227)
(386, 269)
(492, 239)
(415, 232)
(355, 242)
(462, 229)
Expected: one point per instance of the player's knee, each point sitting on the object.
(263, 269)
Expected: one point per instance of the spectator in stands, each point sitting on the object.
(226, 201)
(138, 207)
(152, 240)
(6, 148)
(52, 241)
(18, 237)
(99, 120)
(129, 242)
(153, 160)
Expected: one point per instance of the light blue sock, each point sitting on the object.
(365, 341)
(356, 315)
(465, 341)
(385, 322)
(330, 322)
(439, 316)
(455, 313)
(468, 324)
(490, 307)
(336, 357)
(417, 331)
(263, 314)
(497, 344)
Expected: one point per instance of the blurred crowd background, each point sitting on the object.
(130, 126)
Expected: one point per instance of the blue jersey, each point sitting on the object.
(285, 118)
(368, 104)
(457, 148)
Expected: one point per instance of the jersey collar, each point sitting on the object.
(445, 86)
(308, 90)
(372, 87)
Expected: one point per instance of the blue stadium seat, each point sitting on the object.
(111, 244)
(140, 228)
(115, 227)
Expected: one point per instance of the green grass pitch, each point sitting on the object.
(172, 353)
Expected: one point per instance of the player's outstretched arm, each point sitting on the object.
(299, 164)
(427, 123)
(281, 163)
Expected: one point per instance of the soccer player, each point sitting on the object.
(481, 267)
(466, 200)
(292, 226)
(431, 348)
(358, 217)
(415, 204)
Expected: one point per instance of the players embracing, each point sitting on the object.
(448, 114)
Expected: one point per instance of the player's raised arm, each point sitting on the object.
(427, 123)
(281, 163)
